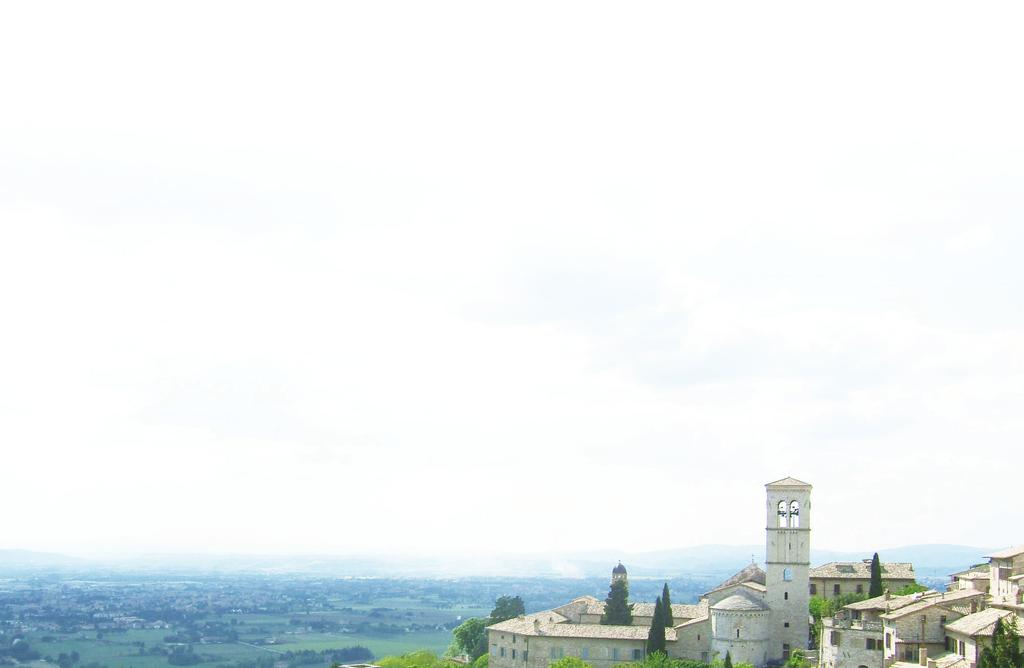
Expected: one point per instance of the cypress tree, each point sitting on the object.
(617, 608)
(876, 577)
(656, 636)
(728, 660)
(1005, 649)
(666, 607)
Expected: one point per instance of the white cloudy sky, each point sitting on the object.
(508, 276)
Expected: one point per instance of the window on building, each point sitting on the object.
(962, 651)
(525, 655)
(835, 589)
(513, 655)
(872, 644)
(585, 653)
(502, 652)
(551, 653)
(494, 650)
(615, 653)
(785, 595)
(860, 589)
(942, 620)
(737, 633)
(833, 638)
(703, 657)
(638, 654)
(782, 513)
(786, 624)
(794, 514)
(814, 589)
(513, 640)
(785, 651)
(888, 640)
(787, 574)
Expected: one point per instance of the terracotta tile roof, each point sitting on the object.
(892, 603)
(929, 601)
(679, 610)
(951, 660)
(981, 623)
(861, 570)
(740, 601)
(550, 623)
(976, 568)
(696, 620)
(751, 573)
(526, 625)
(1007, 553)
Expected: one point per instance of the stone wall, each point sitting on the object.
(845, 644)
(540, 651)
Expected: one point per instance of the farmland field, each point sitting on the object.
(255, 621)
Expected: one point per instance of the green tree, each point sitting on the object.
(728, 660)
(507, 607)
(482, 661)
(470, 637)
(420, 659)
(569, 662)
(909, 589)
(617, 608)
(1004, 651)
(656, 636)
(876, 577)
(820, 607)
(666, 606)
(797, 659)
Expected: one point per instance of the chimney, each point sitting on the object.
(923, 653)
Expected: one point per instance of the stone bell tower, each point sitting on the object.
(788, 560)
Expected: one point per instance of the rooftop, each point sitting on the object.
(740, 601)
(552, 624)
(861, 570)
(928, 601)
(788, 482)
(1008, 553)
(888, 604)
(751, 573)
(981, 623)
(680, 611)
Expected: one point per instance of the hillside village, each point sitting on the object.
(761, 617)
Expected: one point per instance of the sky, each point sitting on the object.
(508, 277)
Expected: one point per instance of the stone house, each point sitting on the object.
(916, 631)
(1006, 573)
(937, 630)
(837, 578)
(854, 637)
(976, 577)
(968, 635)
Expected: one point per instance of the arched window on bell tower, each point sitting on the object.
(783, 513)
(794, 514)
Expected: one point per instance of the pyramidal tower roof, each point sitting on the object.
(788, 482)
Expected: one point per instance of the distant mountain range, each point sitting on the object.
(931, 562)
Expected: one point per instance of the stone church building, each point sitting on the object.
(758, 616)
